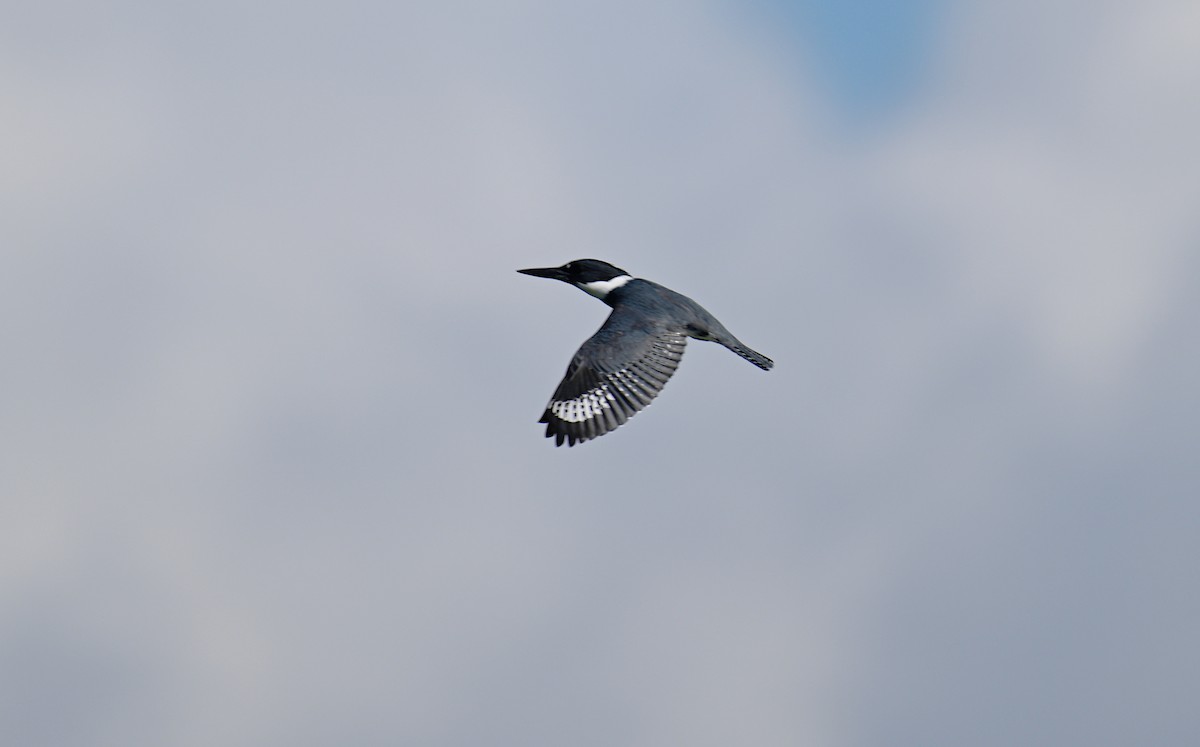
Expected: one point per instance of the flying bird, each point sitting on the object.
(624, 366)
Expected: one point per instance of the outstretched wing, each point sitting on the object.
(615, 374)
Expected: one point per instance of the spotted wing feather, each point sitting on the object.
(603, 389)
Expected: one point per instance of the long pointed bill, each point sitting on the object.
(554, 273)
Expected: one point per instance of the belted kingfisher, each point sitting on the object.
(622, 367)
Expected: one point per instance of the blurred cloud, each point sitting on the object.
(269, 468)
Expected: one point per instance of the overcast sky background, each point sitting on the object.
(270, 467)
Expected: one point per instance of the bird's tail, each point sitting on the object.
(753, 356)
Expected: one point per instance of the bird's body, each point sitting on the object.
(621, 368)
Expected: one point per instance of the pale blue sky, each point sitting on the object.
(269, 458)
(869, 55)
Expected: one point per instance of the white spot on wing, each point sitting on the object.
(584, 407)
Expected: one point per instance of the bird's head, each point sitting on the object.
(590, 275)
